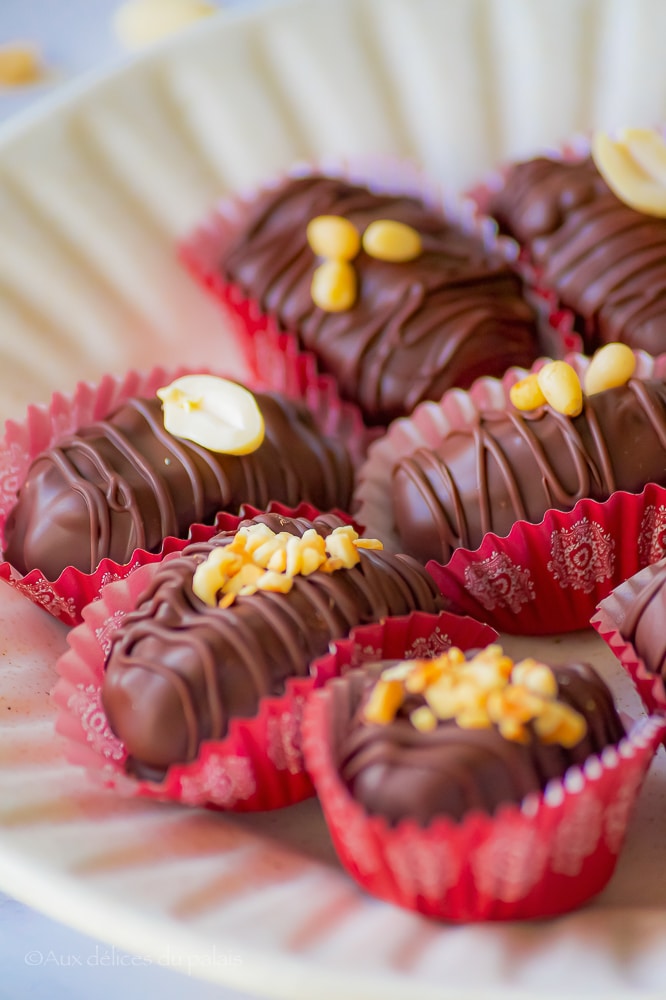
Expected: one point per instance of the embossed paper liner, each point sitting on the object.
(288, 372)
(259, 765)
(207, 245)
(608, 621)
(541, 578)
(547, 856)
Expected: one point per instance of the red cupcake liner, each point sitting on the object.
(547, 856)
(207, 245)
(64, 598)
(608, 623)
(540, 578)
(259, 764)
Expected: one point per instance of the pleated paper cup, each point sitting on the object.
(44, 425)
(609, 621)
(540, 578)
(259, 764)
(546, 856)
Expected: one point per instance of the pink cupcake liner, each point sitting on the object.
(259, 764)
(608, 621)
(286, 372)
(202, 252)
(547, 856)
(540, 578)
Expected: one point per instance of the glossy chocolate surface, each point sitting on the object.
(644, 621)
(606, 261)
(126, 483)
(510, 466)
(416, 329)
(399, 772)
(179, 670)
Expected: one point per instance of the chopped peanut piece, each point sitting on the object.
(384, 701)
(279, 583)
(426, 672)
(341, 546)
(423, 719)
(535, 676)
(369, 543)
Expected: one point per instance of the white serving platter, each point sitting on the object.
(96, 186)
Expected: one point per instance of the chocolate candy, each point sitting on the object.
(510, 466)
(400, 771)
(179, 669)
(409, 329)
(606, 261)
(126, 483)
(643, 610)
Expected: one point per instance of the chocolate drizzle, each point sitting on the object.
(126, 483)
(606, 261)
(399, 772)
(511, 466)
(416, 329)
(179, 670)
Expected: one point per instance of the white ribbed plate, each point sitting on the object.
(95, 187)
(260, 902)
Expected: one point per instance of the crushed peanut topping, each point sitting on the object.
(258, 558)
(488, 689)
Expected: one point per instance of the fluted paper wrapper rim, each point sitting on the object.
(545, 857)
(540, 578)
(608, 621)
(44, 425)
(259, 764)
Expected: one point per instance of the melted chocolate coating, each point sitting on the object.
(126, 483)
(399, 772)
(417, 328)
(511, 466)
(606, 261)
(179, 670)
(644, 617)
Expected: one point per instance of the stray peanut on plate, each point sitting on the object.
(561, 386)
(20, 65)
(612, 365)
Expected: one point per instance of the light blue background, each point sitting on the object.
(39, 958)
